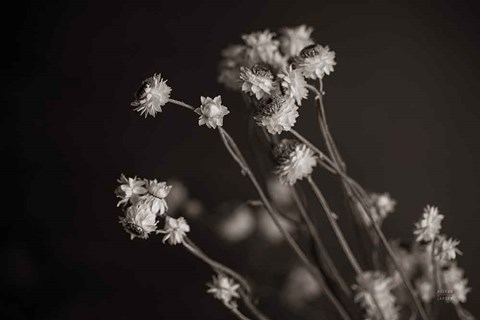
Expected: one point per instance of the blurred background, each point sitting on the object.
(402, 106)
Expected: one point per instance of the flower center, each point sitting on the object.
(211, 110)
(134, 229)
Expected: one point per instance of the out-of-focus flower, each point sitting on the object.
(157, 192)
(430, 224)
(261, 47)
(294, 84)
(294, 160)
(315, 61)
(234, 57)
(177, 197)
(277, 115)
(455, 284)
(281, 194)
(211, 112)
(424, 287)
(269, 230)
(139, 221)
(375, 285)
(238, 225)
(129, 190)
(151, 96)
(382, 206)
(175, 230)
(193, 208)
(293, 40)
(224, 289)
(300, 288)
(257, 81)
(448, 249)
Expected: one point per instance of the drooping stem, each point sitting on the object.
(182, 104)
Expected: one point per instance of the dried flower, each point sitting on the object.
(257, 81)
(211, 112)
(448, 249)
(382, 206)
(295, 161)
(224, 289)
(424, 287)
(139, 220)
(157, 192)
(293, 40)
(430, 224)
(261, 47)
(375, 285)
(277, 115)
(151, 96)
(175, 230)
(456, 284)
(234, 57)
(294, 84)
(129, 190)
(315, 61)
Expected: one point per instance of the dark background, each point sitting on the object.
(402, 104)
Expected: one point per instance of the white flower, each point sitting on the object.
(261, 47)
(300, 287)
(257, 81)
(139, 220)
(315, 61)
(224, 289)
(295, 161)
(376, 285)
(234, 57)
(238, 225)
(425, 289)
(175, 230)
(279, 114)
(293, 40)
(382, 206)
(157, 192)
(294, 84)
(151, 96)
(430, 224)
(456, 284)
(211, 112)
(129, 190)
(448, 249)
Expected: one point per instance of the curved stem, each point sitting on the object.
(182, 104)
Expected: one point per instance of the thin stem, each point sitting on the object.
(237, 312)
(436, 284)
(182, 104)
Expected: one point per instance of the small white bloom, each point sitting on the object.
(238, 225)
(382, 206)
(211, 112)
(448, 249)
(129, 190)
(315, 61)
(279, 114)
(295, 161)
(261, 47)
(430, 224)
(175, 230)
(300, 287)
(233, 58)
(224, 289)
(139, 221)
(257, 81)
(294, 84)
(376, 285)
(157, 192)
(293, 40)
(425, 289)
(456, 284)
(151, 96)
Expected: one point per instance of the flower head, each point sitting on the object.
(175, 230)
(294, 84)
(295, 161)
(382, 206)
(448, 249)
(456, 284)
(139, 220)
(224, 289)
(293, 40)
(315, 61)
(257, 81)
(233, 58)
(376, 287)
(261, 47)
(211, 112)
(129, 189)
(277, 115)
(151, 96)
(157, 192)
(430, 224)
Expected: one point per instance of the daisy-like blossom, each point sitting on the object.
(430, 224)
(448, 249)
(294, 84)
(211, 112)
(261, 47)
(175, 230)
(151, 96)
(316, 61)
(293, 40)
(130, 189)
(277, 115)
(456, 284)
(375, 285)
(257, 81)
(233, 58)
(139, 221)
(295, 161)
(157, 192)
(224, 289)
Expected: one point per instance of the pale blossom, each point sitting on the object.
(382, 206)
(211, 112)
(224, 289)
(157, 192)
(294, 84)
(277, 115)
(151, 96)
(293, 40)
(257, 81)
(430, 224)
(315, 61)
(129, 190)
(139, 220)
(294, 161)
(448, 249)
(456, 284)
(261, 47)
(233, 58)
(175, 230)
